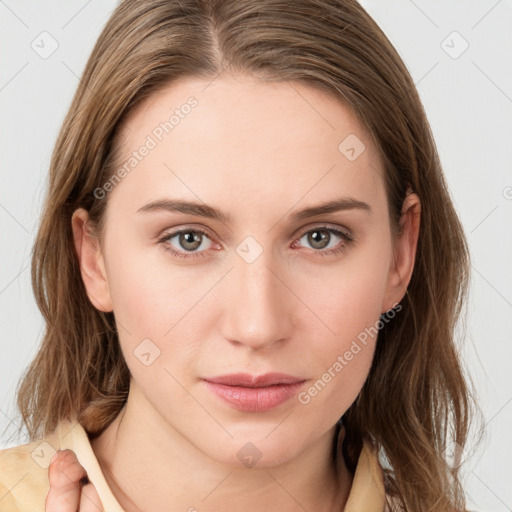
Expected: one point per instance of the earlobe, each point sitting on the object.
(404, 253)
(91, 261)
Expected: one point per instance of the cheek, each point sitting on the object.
(350, 305)
(148, 293)
(348, 295)
(161, 310)
(342, 359)
(140, 301)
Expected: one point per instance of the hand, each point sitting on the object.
(70, 490)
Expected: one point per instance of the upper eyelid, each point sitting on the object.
(324, 225)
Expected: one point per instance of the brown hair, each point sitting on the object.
(416, 400)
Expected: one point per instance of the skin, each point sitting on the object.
(259, 152)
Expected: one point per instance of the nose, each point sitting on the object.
(258, 305)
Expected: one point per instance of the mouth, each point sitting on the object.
(251, 393)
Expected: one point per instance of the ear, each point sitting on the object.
(404, 252)
(91, 262)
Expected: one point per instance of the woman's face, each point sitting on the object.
(259, 282)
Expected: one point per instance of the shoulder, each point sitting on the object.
(24, 482)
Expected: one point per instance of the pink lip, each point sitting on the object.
(255, 393)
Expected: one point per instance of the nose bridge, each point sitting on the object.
(257, 309)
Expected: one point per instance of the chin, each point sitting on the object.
(255, 451)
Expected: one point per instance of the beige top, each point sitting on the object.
(24, 481)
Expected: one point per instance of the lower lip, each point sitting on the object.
(255, 399)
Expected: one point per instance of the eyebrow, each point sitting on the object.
(204, 210)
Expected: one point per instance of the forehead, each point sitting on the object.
(209, 138)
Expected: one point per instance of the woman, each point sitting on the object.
(251, 270)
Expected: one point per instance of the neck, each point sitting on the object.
(150, 466)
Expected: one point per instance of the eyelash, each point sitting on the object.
(347, 241)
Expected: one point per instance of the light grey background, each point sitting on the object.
(468, 99)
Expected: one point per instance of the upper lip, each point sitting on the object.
(254, 381)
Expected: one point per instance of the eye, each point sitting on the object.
(320, 238)
(187, 243)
